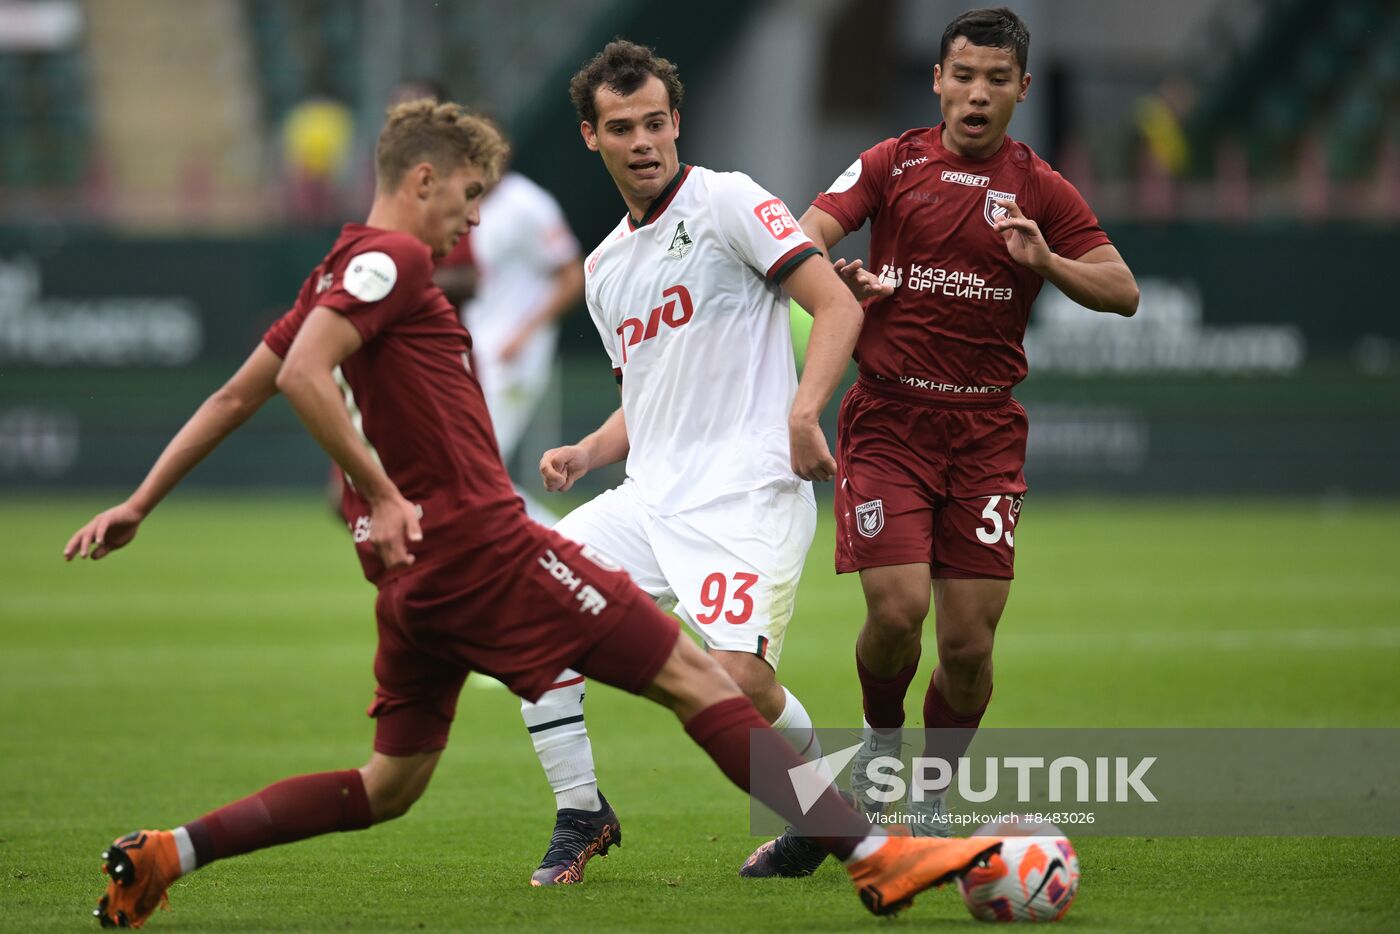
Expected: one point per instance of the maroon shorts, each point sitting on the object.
(928, 480)
(521, 616)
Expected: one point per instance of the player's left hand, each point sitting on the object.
(811, 458)
(863, 283)
(1023, 238)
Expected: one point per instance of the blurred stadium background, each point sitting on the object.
(170, 169)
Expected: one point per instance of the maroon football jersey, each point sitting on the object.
(958, 314)
(421, 406)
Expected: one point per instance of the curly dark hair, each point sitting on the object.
(622, 67)
(997, 28)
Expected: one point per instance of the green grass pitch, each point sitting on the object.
(230, 646)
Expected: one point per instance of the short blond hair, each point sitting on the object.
(444, 134)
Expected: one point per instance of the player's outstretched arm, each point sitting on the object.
(836, 321)
(560, 468)
(567, 292)
(822, 229)
(825, 232)
(1098, 280)
(308, 381)
(230, 406)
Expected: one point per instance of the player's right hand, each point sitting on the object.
(811, 458)
(863, 283)
(561, 467)
(104, 533)
(393, 526)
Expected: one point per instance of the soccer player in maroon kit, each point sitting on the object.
(966, 225)
(466, 581)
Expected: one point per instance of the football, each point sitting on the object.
(1034, 878)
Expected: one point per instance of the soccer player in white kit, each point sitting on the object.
(716, 514)
(528, 276)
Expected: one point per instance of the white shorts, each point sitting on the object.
(729, 568)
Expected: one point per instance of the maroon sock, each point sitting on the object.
(723, 730)
(882, 698)
(292, 809)
(947, 732)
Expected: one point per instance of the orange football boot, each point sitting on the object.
(141, 866)
(889, 878)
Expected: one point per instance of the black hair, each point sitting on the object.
(623, 67)
(997, 28)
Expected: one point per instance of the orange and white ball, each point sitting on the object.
(1034, 878)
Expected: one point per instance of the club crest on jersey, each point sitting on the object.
(992, 211)
(870, 518)
(680, 243)
(892, 275)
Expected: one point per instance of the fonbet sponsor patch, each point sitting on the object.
(775, 216)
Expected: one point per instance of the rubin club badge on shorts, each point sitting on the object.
(870, 518)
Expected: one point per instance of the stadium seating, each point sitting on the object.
(1304, 71)
(1292, 92)
(44, 119)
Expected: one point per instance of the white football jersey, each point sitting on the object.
(521, 242)
(689, 307)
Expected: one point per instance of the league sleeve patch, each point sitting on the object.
(846, 179)
(775, 215)
(370, 276)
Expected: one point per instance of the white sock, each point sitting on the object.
(561, 741)
(795, 724)
(580, 798)
(872, 842)
(185, 846)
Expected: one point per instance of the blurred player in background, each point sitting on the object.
(967, 225)
(528, 276)
(716, 514)
(466, 581)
